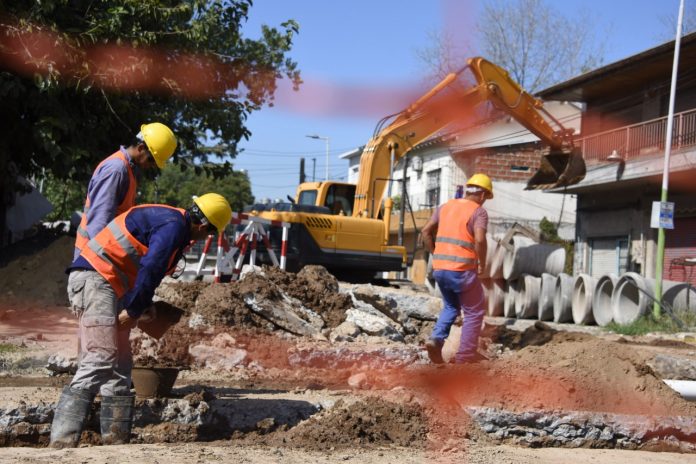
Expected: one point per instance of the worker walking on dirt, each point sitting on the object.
(112, 188)
(120, 268)
(459, 253)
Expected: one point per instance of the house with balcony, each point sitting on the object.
(622, 138)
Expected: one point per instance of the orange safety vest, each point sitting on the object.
(82, 236)
(115, 253)
(454, 246)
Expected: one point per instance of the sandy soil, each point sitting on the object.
(201, 453)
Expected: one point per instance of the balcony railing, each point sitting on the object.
(646, 138)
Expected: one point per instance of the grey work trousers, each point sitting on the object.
(104, 359)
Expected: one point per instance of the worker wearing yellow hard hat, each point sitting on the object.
(110, 287)
(456, 237)
(215, 209)
(481, 181)
(112, 188)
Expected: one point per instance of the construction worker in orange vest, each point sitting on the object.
(456, 237)
(114, 183)
(110, 286)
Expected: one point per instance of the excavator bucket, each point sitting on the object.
(557, 169)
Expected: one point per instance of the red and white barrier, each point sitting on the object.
(229, 259)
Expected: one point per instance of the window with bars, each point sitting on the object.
(432, 186)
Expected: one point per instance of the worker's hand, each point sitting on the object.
(125, 322)
(148, 315)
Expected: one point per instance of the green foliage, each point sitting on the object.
(64, 111)
(644, 325)
(66, 196)
(176, 187)
(8, 348)
(549, 233)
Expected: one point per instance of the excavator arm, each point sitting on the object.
(448, 102)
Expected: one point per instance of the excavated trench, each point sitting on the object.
(281, 359)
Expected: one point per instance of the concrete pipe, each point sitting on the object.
(686, 388)
(527, 297)
(510, 295)
(633, 297)
(547, 291)
(563, 299)
(491, 247)
(494, 268)
(496, 297)
(583, 290)
(601, 299)
(529, 257)
(681, 296)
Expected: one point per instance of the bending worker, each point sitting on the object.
(112, 188)
(459, 253)
(119, 268)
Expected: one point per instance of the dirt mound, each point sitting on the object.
(370, 422)
(316, 288)
(38, 276)
(224, 304)
(571, 371)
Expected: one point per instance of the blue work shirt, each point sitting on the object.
(106, 190)
(164, 231)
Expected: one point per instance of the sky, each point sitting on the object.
(359, 61)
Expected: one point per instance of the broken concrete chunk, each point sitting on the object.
(374, 324)
(58, 364)
(288, 314)
(345, 332)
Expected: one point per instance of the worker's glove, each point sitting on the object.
(148, 315)
(125, 322)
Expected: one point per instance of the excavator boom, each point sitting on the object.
(561, 165)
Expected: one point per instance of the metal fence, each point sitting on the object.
(640, 139)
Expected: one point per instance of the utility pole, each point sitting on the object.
(314, 169)
(659, 263)
(325, 139)
(302, 173)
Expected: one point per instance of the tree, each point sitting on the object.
(176, 187)
(78, 77)
(534, 42)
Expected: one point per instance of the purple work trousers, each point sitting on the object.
(461, 291)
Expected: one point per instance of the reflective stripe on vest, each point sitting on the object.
(454, 244)
(115, 253)
(128, 201)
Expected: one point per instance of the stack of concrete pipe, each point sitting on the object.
(515, 288)
(525, 280)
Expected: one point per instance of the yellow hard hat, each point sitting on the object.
(160, 141)
(215, 208)
(483, 181)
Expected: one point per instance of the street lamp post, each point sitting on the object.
(326, 139)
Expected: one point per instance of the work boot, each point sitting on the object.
(116, 419)
(434, 348)
(472, 359)
(69, 417)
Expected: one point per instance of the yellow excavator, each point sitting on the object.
(345, 227)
